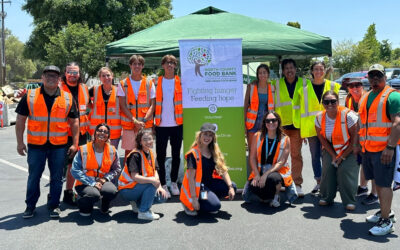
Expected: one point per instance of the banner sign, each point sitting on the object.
(212, 91)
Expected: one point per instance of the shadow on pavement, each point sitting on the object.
(359, 230)
(127, 216)
(264, 208)
(15, 221)
(181, 217)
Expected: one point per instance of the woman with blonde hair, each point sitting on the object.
(206, 179)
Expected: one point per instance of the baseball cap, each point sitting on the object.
(208, 127)
(51, 68)
(377, 67)
(354, 80)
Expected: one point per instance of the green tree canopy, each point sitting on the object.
(18, 68)
(386, 50)
(121, 17)
(348, 56)
(79, 43)
(371, 45)
(294, 24)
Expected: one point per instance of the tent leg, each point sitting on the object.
(248, 73)
(279, 65)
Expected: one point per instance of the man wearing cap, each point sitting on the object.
(379, 122)
(50, 111)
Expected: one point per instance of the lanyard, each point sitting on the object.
(266, 147)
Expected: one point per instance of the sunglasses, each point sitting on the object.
(102, 131)
(375, 74)
(73, 73)
(271, 120)
(357, 85)
(327, 102)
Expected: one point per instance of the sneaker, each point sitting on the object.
(165, 187)
(375, 218)
(28, 213)
(275, 202)
(299, 191)
(350, 207)
(323, 203)
(396, 186)
(55, 213)
(383, 227)
(315, 190)
(371, 199)
(362, 191)
(149, 215)
(84, 214)
(189, 212)
(175, 189)
(69, 198)
(214, 212)
(134, 207)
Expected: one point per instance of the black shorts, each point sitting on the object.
(375, 170)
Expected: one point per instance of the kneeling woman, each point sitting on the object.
(268, 160)
(206, 178)
(94, 167)
(139, 182)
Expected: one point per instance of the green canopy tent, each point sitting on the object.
(263, 40)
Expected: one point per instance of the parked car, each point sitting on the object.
(340, 79)
(392, 73)
(394, 83)
(345, 78)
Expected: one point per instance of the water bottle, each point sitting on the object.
(203, 192)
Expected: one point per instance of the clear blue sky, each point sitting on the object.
(337, 19)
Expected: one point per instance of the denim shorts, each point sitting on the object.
(375, 170)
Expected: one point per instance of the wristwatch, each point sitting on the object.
(390, 147)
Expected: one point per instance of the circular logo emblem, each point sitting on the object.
(212, 108)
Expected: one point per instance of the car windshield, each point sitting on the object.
(357, 74)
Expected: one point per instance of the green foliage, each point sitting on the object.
(385, 50)
(348, 56)
(120, 17)
(79, 43)
(396, 54)
(18, 68)
(371, 45)
(294, 24)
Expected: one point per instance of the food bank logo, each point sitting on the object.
(199, 56)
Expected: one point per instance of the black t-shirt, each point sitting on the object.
(23, 109)
(271, 156)
(207, 166)
(319, 90)
(291, 87)
(134, 162)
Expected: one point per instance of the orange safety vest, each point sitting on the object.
(340, 133)
(98, 114)
(83, 101)
(252, 110)
(148, 170)
(177, 101)
(185, 195)
(375, 126)
(139, 107)
(284, 170)
(89, 163)
(43, 126)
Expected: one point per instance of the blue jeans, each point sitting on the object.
(316, 156)
(145, 196)
(36, 162)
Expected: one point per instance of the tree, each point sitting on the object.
(371, 44)
(348, 56)
(294, 24)
(385, 50)
(395, 54)
(18, 68)
(122, 17)
(79, 43)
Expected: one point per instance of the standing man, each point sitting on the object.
(49, 111)
(72, 83)
(137, 97)
(379, 134)
(284, 91)
(168, 121)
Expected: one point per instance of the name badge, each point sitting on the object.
(82, 107)
(111, 110)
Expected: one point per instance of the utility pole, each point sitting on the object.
(3, 48)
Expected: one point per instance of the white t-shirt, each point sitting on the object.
(168, 110)
(352, 119)
(135, 88)
(99, 157)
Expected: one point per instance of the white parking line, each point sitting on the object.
(20, 168)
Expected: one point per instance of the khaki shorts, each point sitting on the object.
(128, 139)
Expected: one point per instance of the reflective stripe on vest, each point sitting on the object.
(42, 125)
(340, 134)
(178, 110)
(185, 196)
(90, 165)
(138, 107)
(98, 112)
(284, 171)
(375, 126)
(83, 101)
(148, 170)
(252, 110)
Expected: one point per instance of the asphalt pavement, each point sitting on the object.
(237, 226)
